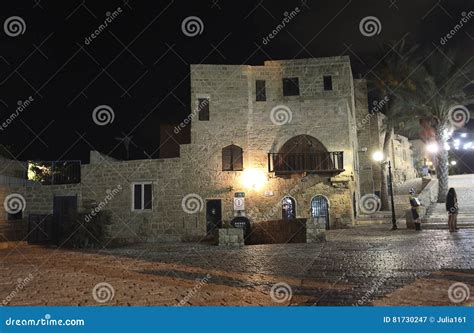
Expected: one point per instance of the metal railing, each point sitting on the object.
(55, 172)
(318, 162)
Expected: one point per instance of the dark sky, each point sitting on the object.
(139, 65)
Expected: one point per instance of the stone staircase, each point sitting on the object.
(437, 217)
(380, 217)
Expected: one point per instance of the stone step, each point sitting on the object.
(431, 225)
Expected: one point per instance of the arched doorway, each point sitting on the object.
(302, 153)
(288, 208)
(320, 209)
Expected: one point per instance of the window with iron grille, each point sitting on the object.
(142, 196)
(291, 86)
(260, 91)
(327, 79)
(232, 158)
(203, 109)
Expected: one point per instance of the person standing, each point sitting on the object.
(415, 204)
(452, 209)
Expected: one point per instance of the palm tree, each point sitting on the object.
(436, 90)
(391, 72)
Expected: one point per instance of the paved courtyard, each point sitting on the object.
(359, 266)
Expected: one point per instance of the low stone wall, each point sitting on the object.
(429, 194)
(231, 237)
(278, 232)
(315, 230)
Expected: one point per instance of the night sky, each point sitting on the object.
(139, 65)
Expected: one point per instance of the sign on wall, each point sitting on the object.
(239, 201)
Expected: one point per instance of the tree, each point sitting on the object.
(435, 98)
(392, 72)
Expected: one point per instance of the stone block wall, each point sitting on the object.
(231, 237)
(235, 118)
(12, 168)
(402, 157)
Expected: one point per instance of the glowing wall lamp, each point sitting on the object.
(254, 178)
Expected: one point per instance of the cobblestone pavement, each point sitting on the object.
(359, 266)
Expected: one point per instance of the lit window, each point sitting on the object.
(288, 208)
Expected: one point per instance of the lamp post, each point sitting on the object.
(379, 157)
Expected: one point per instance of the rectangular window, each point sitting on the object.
(291, 86)
(142, 196)
(203, 108)
(260, 90)
(327, 82)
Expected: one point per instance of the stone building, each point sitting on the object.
(286, 140)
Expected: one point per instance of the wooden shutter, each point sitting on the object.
(227, 158)
(237, 159)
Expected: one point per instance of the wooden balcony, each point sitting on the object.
(318, 162)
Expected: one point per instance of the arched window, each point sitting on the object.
(288, 208)
(320, 209)
(232, 159)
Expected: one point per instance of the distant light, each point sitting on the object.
(429, 163)
(378, 156)
(447, 147)
(463, 135)
(432, 148)
(467, 145)
(454, 162)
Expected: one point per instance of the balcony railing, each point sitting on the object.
(319, 162)
(55, 172)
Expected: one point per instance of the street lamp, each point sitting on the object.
(379, 157)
